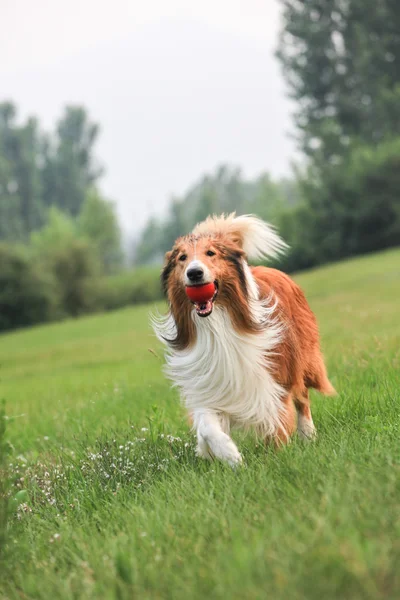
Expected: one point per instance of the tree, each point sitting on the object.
(269, 200)
(225, 190)
(28, 175)
(70, 168)
(11, 223)
(58, 231)
(21, 208)
(27, 292)
(148, 247)
(174, 226)
(357, 208)
(98, 223)
(209, 203)
(71, 260)
(38, 171)
(341, 61)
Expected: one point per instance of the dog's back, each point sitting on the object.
(299, 362)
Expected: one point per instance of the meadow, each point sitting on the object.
(110, 501)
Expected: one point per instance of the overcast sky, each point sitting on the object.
(178, 87)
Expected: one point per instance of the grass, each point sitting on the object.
(116, 505)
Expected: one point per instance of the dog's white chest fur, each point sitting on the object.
(228, 372)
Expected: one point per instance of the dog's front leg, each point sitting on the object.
(212, 441)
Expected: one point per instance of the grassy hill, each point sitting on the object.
(118, 506)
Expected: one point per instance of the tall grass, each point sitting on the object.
(118, 506)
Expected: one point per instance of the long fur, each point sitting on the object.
(251, 361)
(229, 372)
(258, 239)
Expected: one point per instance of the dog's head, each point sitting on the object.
(200, 259)
(216, 252)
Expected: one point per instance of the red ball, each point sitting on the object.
(201, 293)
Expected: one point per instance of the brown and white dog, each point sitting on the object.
(248, 356)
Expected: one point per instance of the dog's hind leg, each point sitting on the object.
(285, 431)
(213, 439)
(305, 424)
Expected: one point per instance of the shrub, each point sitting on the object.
(132, 287)
(98, 223)
(27, 292)
(348, 208)
(75, 267)
(71, 259)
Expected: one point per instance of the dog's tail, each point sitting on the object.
(258, 239)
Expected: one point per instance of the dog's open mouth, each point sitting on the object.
(204, 309)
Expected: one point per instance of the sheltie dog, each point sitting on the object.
(247, 356)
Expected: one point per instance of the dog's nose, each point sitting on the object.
(195, 274)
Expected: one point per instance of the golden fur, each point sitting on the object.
(296, 363)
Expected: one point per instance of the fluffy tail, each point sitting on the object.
(319, 379)
(258, 239)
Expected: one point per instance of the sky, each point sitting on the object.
(177, 87)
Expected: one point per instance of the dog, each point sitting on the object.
(247, 356)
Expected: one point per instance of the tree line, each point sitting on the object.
(58, 235)
(60, 241)
(48, 174)
(225, 190)
(341, 62)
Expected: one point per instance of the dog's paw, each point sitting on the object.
(225, 450)
(202, 450)
(306, 430)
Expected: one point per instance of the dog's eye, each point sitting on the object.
(183, 257)
(210, 253)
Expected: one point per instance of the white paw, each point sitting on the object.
(223, 448)
(202, 450)
(306, 429)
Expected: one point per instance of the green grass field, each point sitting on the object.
(118, 506)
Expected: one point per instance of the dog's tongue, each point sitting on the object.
(202, 297)
(203, 308)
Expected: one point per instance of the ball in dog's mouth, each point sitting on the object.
(202, 297)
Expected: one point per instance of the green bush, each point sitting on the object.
(98, 223)
(132, 287)
(369, 200)
(35, 289)
(75, 267)
(348, 208)
(71, 259)
(27, 292)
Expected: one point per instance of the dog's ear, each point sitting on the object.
(168, 267)
(230, 246)
(235, 239)
(257, 239)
